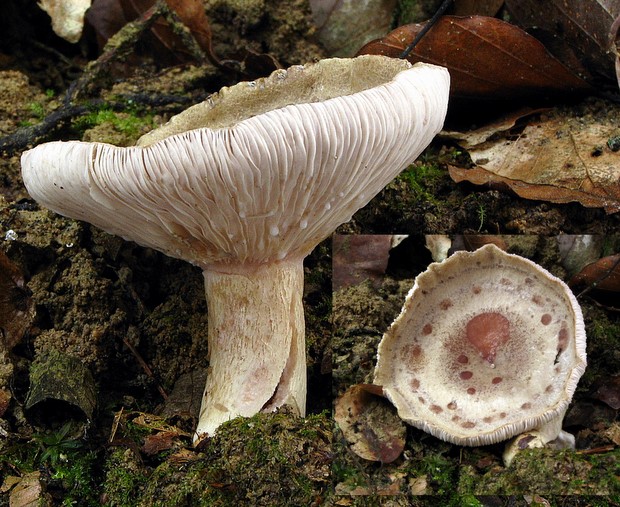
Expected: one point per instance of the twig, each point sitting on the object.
(25, 136)
(597, 450)
(429, 24)
(146, 368)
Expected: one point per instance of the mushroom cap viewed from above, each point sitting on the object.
(488, 345)
(244, 186)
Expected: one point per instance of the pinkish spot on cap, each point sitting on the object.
(562, 338)
(463, 359)
(537, 300)
(476, 289)
(502, 415)
(496, 380)
(436, 409)
(416, 352)
(505, 281)
(466, 375)
(468, 424)
(528, 281)
(526, 406)
(445, 304)
(421, 400)
(545, 319)
(451, 405)
(487, 419)
(456, 418)
(415, 384)
(549, 388)
(471, 390)
(427, 329)
(487, 332)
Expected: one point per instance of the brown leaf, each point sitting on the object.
(561, 159)
(603, 274)
(369, 423)
(359, 257)
(587, 27)
(190, 12)
(106, 17)
(488, 59)
(161, 441)
(28, 492)
(16, 305)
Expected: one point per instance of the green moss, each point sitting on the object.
(421, 179)
(122, 128)
(549, 472)
(125, 478)
(269, 459)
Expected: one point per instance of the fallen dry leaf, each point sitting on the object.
(359, 257)
(160, 441)
(557, 159)
(488, 59)
(28, 492)
(604, 274)
(190, 12)
(587, 28)
(370, 424)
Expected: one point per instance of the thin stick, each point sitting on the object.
(429, 24)
(145, 367)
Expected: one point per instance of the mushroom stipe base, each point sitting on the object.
(256, 343)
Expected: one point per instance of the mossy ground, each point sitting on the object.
(270, 459)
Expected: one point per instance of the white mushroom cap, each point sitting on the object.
(259, 186)
(488, 345)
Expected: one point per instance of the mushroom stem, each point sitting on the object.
(256, 342)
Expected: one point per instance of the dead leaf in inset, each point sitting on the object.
(29, 491)
(603, 274)
(561, 159)
(589, 28)
(488, 59)
(360, 257)
(16, 305)
(160, 441)
(370, 424)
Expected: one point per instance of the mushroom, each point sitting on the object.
(488, 345)
(244, 186)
